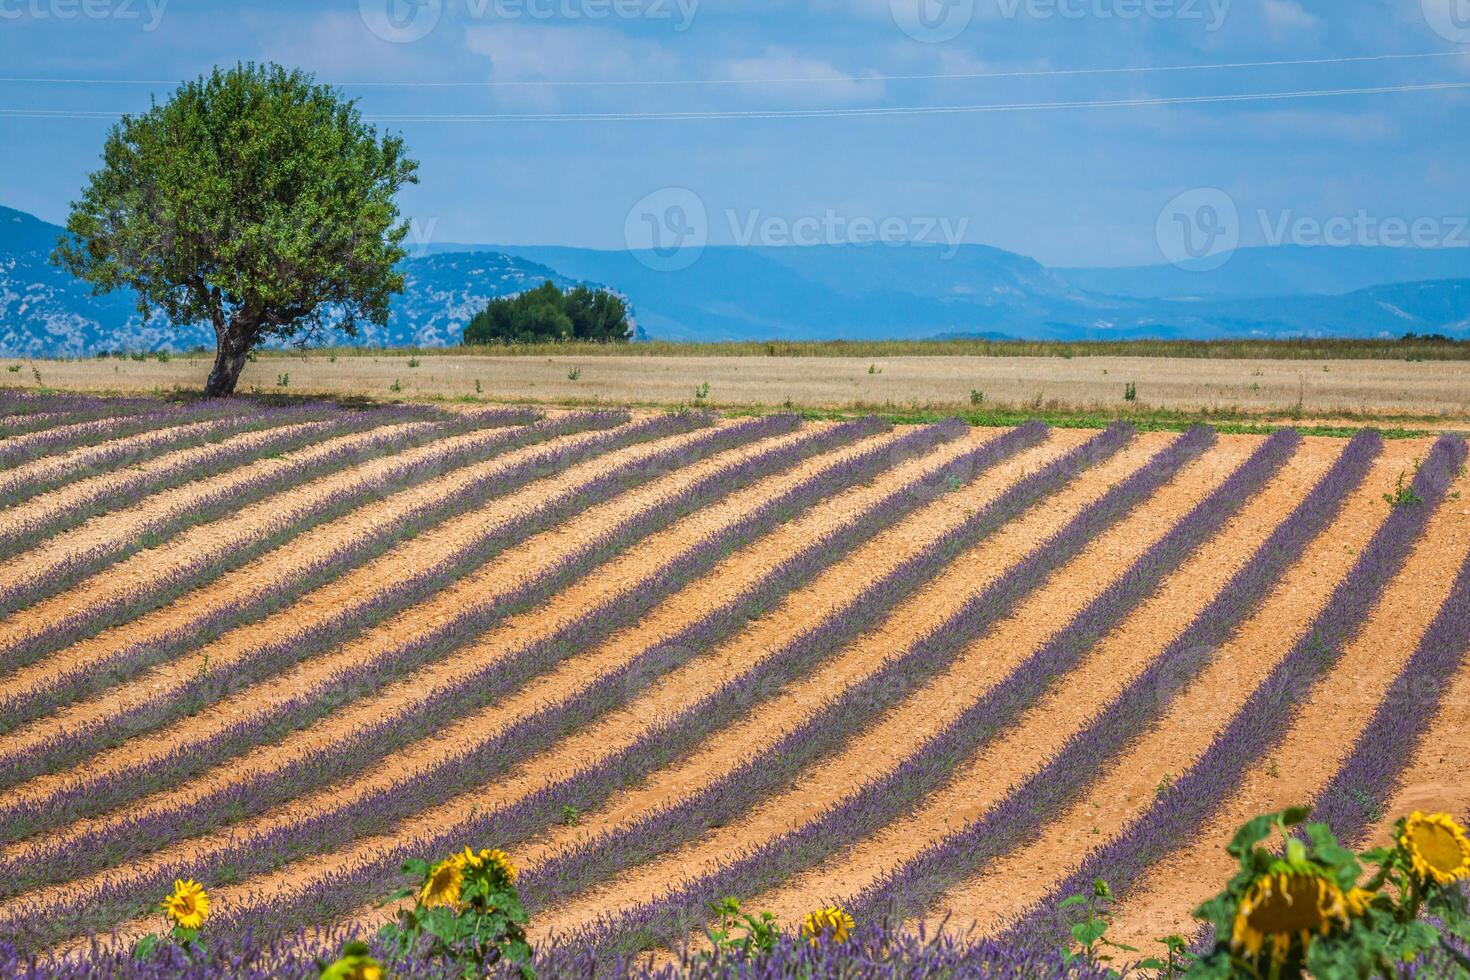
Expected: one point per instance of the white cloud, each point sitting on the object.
(336, 46)
(1287, 17)
(520, 52)
(768, 76)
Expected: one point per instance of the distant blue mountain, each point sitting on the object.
(46, 311)
(867, 292)
(853, 292)
(1258, 273)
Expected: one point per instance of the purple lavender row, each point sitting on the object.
(102, 793)
(23, 401)
(1179, 816)
(91, 678)
(34, 415)
(1355, 799)
(874, 951)
(105, 792)
(111, 457)
(32, 423)
(1021, 814)
(327, 829)
(217, 503)
(271, 658)
(844, 717)
(224, 500)
(99, 675)
(89, 433)
(311, 425)
(242, 800)
(895, 795)
(590, 787)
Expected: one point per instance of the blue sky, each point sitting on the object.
(1076, 186)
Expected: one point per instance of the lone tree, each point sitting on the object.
(254, 200)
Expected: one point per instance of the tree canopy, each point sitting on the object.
(254, 200)
(548, 314)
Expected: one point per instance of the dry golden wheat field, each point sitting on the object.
(1261, 385)
(932, 671)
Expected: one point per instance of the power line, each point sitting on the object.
(918, 110)
(852, 112)
(804, 79)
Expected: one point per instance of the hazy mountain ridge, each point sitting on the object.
(45, 311)
(852, 292)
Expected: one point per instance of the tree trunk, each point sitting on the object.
(229, 360)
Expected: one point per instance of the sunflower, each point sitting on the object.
(188, 906)
(831, 922)
(1437, 848)
(1358, 901)
(443, 884)
(1287, 905)
(497, 860)
(355, 966)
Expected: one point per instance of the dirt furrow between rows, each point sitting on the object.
(124, 525)
(187, 547)
(802, 611)
(1112, 665)
(986, 778)
(624, 573)
(81, 457)
(1435, 780)
(47, 505)
(261, 574)
(900, 731)
(887, 549)
(510, 569)
(362, 585)
(968, 574)
(1321, 734)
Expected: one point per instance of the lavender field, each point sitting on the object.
(942, 677)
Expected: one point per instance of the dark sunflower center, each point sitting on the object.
(1291, 908)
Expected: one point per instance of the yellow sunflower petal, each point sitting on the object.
(1437, 848)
